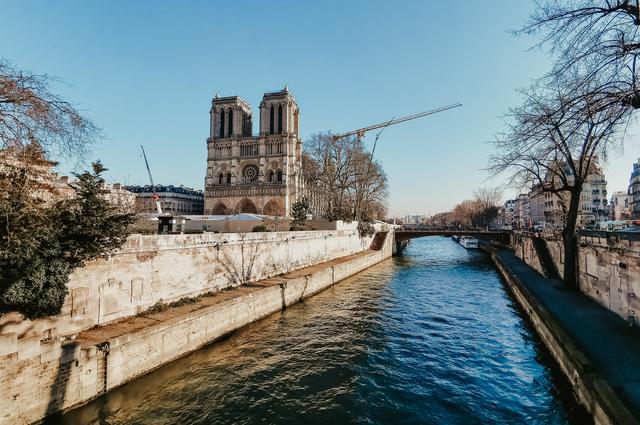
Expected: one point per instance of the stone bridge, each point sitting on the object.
(402, 235)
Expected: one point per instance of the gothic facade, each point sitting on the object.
(253, 174)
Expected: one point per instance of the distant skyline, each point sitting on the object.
(146, 72)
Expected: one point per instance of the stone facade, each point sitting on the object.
(177, 200)
(620, 206)
(548, 209)
(253, 174)
(593, 199)
(522, 211)
(608, 266)
(634, 191)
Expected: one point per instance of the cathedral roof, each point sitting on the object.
(218, 100)
(278, 94)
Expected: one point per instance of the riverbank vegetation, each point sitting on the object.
(471, 213)
(48, 227)
(344, 181)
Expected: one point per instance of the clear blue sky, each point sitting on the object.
(145, 72)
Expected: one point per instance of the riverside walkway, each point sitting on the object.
(610, 344)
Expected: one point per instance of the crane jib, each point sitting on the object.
(361, 131)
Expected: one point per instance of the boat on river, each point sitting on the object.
(469, 242)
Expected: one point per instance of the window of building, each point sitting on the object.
(279, 175)
(220, 178)
(271, 120)
(228, 178)
(230, 130)
(250, 173)
(222, 123)
(271, 176)
(279, 119)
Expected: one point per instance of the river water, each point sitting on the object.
(429, 337)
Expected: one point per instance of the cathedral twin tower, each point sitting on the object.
(253, 174)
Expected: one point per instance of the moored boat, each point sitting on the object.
(469, 242)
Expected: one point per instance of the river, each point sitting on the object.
(428, 337)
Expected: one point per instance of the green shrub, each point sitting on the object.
(41, 243)
(365, 229)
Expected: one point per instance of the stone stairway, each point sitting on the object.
(378, 241)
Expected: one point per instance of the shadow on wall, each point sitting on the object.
(241, 275)
(58, 392)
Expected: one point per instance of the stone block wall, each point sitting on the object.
(608, 267)
(525, 250)
(153, 268)
(40, 376)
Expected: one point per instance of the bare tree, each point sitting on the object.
(487, 200)
(593, 41)
(31, 113)
(343, 179)
(553, 140)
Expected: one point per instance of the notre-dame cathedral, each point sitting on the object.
(253, 174)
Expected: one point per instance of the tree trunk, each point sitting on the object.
(570, 241)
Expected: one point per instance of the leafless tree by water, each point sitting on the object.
(486, 201)
(30, 113)
(553, 141)
(595, 46)
(342, 174)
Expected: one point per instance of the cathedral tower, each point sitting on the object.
(253, 174)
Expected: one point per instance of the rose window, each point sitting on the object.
(250, 173)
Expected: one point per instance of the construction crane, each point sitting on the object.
(154, 196)
(359, 133)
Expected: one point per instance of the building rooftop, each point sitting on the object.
(164, 189)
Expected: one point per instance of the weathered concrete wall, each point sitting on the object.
(42, 376)
(608, 267)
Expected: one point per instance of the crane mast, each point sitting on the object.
(155, 196)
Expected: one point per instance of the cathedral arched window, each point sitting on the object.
(279, 174)
(220, 178)
(230, 122)
(228, 178)
(271, 120)
(279, 119)
(270, 176)
(246, 125)
(221, 123)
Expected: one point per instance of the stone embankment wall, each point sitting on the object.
(154, 268)
(590, 389)
(525, 250)
(56, 363)
(608, 266)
